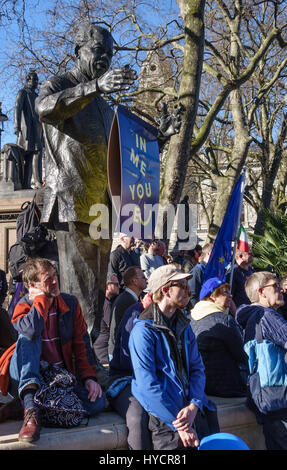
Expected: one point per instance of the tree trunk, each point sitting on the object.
(269, 175)
(178, 153)
(225, 184)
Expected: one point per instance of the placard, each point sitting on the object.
(134, 174)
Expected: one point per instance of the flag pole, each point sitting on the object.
(238, 225)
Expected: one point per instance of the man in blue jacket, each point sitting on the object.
(168, 372)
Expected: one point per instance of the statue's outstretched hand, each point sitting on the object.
(169, 124)
(117, 80)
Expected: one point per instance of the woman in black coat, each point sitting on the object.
(219, 341)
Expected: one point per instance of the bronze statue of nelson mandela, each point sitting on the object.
(76, 121)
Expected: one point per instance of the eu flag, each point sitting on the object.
(221, 254)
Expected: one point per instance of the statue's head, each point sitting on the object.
(93, 50)
(32, 80)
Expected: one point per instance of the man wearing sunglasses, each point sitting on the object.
(168, 378)
(265, 336)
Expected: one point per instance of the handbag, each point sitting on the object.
(58, 403)
(267, 381)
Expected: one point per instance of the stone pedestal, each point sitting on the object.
(10, 207)
(108, 431)
(6, 187)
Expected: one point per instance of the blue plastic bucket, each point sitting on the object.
(222, 441)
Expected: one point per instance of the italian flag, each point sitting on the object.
(242, 243)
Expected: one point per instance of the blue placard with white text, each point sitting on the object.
(140, 174)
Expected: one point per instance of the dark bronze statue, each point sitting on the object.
(28, 130)
(77, 120)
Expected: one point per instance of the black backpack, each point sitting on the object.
(28, 219)
(31, 238)
(16, 259)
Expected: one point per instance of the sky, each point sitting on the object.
(10, 85)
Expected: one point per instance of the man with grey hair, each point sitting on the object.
(121, 258)
(76, 121)
(265, 337)
(248, 315)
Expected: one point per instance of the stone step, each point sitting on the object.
(107, 431)
(236, 418)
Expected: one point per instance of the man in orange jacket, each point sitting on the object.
(51, 328)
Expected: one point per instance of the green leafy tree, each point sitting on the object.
(270, 249)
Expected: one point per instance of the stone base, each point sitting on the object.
(13, 198)
(7, 187)
(10, 207)
(107, 431)
(236, 418)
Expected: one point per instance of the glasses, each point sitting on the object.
(114, 283)
(180, 284)
(276, 286)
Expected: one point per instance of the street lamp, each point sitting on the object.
(3, 118)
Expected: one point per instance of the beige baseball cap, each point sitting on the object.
(162, 275)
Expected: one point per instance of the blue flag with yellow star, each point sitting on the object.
(221, 254)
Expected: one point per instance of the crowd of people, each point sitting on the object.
(168, 343)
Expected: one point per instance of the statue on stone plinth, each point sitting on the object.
(28, 130)
(76, 121)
